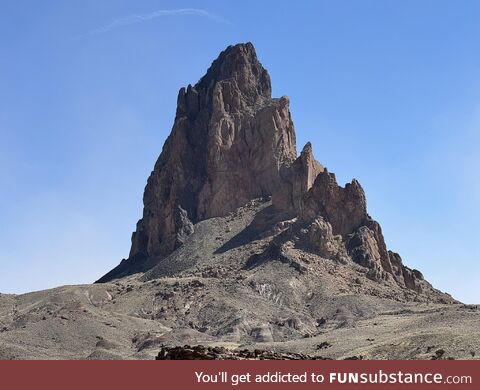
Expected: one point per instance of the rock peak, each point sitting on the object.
(232, 143)
(227, 146)
(240, 63)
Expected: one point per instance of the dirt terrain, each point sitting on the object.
(273, 306)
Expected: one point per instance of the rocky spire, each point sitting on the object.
(227, 145)
(232, 142)
(297, 179)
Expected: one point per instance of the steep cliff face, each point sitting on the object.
(231, 143)
(228, 143)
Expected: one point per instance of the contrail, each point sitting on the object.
(133, 19)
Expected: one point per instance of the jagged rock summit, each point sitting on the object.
(227, 145)
(232, 143)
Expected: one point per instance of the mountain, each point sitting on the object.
(243, 244)
(232, 143)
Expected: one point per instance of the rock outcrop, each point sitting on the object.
(333, 222)
(200, 352)
(232, 142)
(228, 143)
(296, 179)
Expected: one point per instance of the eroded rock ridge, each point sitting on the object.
(232, 142)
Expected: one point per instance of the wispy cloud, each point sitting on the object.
(134, 19)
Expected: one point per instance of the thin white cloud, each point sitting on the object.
(134, 19)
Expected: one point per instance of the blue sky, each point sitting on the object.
(387, 92)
